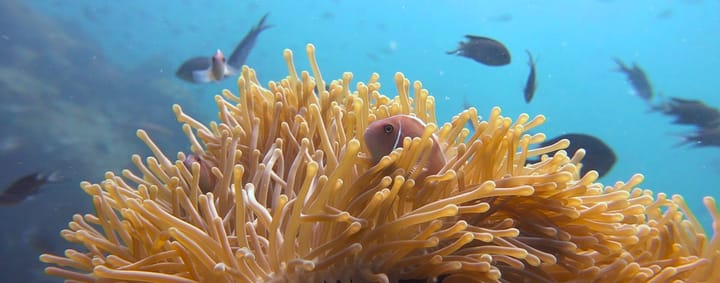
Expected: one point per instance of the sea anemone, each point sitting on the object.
(294, 196)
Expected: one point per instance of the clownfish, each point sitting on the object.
(385, 135)
(207, 178)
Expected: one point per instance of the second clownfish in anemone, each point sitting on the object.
(385, 135)
(207, 178)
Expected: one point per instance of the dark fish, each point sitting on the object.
(530, 85)
(598, 155)
(483, 50)
(26, 187)
(203, 69)
(703, 137)
(695, 113)
(637, 78)
(665, 14)
(502, 18)
(691, 112)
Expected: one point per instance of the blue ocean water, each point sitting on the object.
(675, 42)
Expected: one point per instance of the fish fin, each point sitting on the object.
(7, 200)
(530, 60)
(202, 76)
(621, 65)
(261, 24)
(231, 71)
(185, 71)
(242, 50)
(477, 37)
(54, 176)
(662, 104)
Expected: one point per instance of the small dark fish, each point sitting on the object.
(637, 78)
(327, 15)
(373, 57)
(26, 187)
(203, 69)
(695, 113)
(483, 50)
(691, 112)
(703, 138)
(530, 85)
(665, 14)
(502, 18)
(598, 155)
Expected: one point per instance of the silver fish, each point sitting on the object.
(214, 69)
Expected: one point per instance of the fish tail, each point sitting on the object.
(261, 24)
(530, 60)
(684, 142)
(621, 65)
(686, 139)
(7, 200)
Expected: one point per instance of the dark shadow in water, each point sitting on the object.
(65, 107)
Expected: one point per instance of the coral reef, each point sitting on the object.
(296, 198)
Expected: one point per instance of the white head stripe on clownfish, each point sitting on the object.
(399, 135)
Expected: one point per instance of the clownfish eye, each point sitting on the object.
(388, 128)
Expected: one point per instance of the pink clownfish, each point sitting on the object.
(207, 178)
(385, 135)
